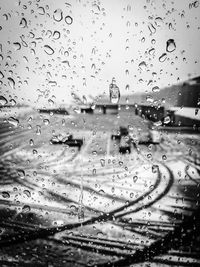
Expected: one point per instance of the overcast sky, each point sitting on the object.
(50, 49)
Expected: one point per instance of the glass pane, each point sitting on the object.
(99, 133)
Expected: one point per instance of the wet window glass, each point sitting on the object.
(99, 133)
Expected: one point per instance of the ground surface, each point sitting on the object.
(64, 207)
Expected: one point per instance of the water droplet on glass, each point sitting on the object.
(163, 57)
(155, 89)
(102, 162)
(13, 121)
(38, 130)
(68, 20)
(21, 173)
(17, 46)
(152, 29)
(196, 4)
(167, 120)
(23, 23)
(152, 51)
(5, 194)
(56, 35)
(11, 82)
(13, 102)
(1, 75)
(114, 92)
(135, 178)
(58, 15)
(48, 50)
(5, 16)
(41, 10)
(170, 46)
(158, 123)
(51, 102)
(155, 169)
(31, 142)
(3, 101)
(127, 87)
(149, 98)
(142, 65)
(164, 157)
(26, 208)
(158, 21)
(27, 193)
(46, 121)
(127, 72)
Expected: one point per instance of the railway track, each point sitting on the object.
(128, 215)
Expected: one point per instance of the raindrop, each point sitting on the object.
(135, 178)
(164, 157)
(152, 51)
(66, 53)
(68, 20)
(23, 23)
(3, 101)
(158, 123)
(127, 87)
(21, 174)
(51, 102)
(142, 65)
(170, 46)
(149, 156)
(170, 26)
(31, 142)
(26, 208)
(155, 89)
(11, 82)
(152, 29)
(5, 16)
(158, 21)
(149, 98)
(196, 4)
(155, 169)
(13, 102)
(93, 106)
(167, 120)
(46, 121)
(58, 15)
(38, 129)
(127, 72)
(163, 57)
(102, 162)
(17, 46)
(48, 50)
(114, 92)
(5, 194)
(1, 75)
(56, 35)
(27, 193)
(13, 121)
(41, 10)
